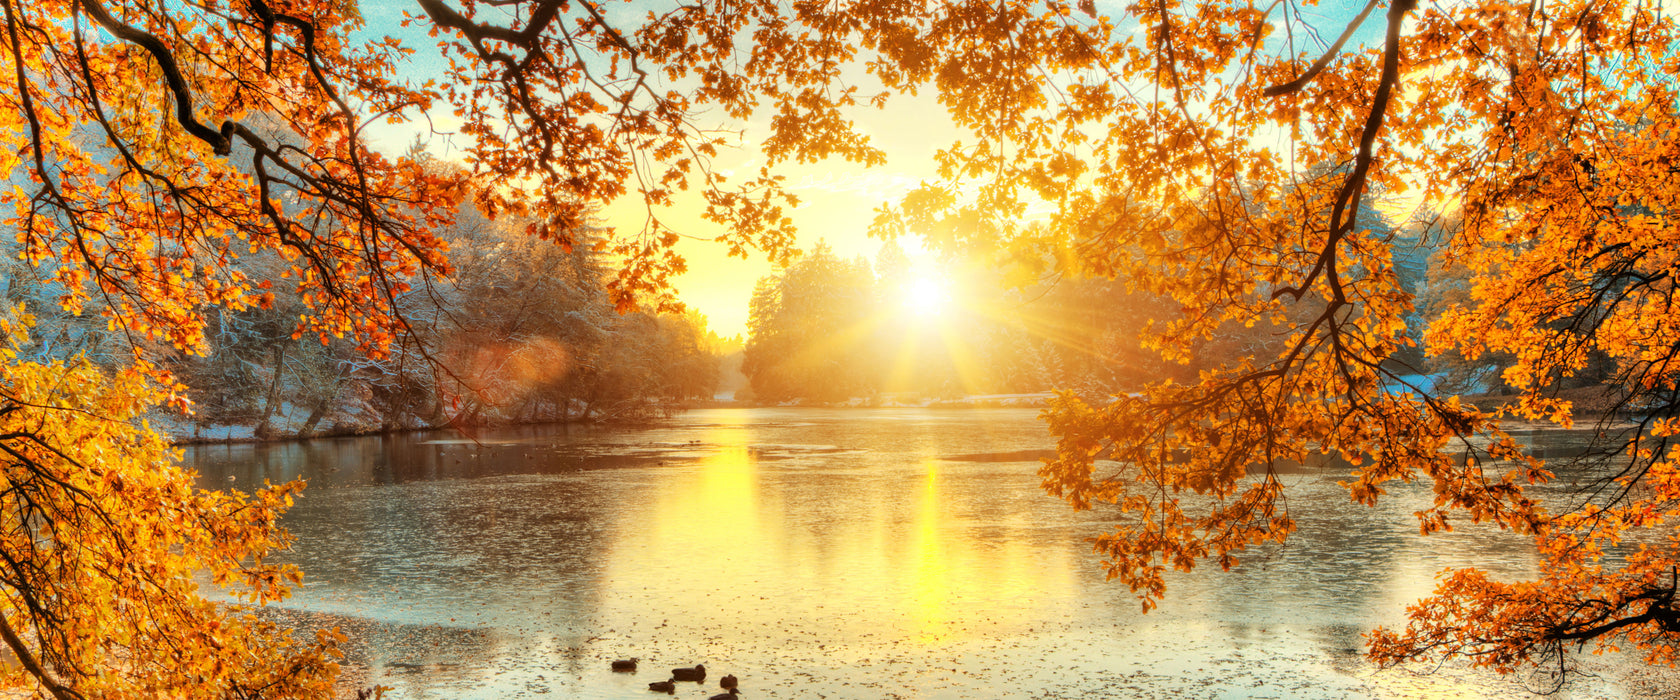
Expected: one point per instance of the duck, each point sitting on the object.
(731, 695)
(624, 664)
(697, 674)
(668, 687)
(729, 682)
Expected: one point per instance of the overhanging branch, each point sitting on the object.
(221, 142)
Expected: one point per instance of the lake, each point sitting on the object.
(815, 553)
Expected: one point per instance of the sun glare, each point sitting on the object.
(926, 296)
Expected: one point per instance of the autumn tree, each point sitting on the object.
(104, 538)
(1183, 145)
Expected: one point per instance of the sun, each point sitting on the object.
(927, 296)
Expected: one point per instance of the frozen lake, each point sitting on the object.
(851, 553)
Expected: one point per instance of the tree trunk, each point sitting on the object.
(317, 413)
(263, 431)
(325, 404)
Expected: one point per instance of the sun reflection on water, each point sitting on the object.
(931, 571)
(839, 554)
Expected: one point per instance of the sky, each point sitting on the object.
(837, 199)
(837, 202)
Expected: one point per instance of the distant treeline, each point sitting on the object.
(524, 331)
(827, 330)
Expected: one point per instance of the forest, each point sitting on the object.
(1240, 236)
(522, 332)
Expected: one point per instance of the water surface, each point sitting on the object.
(879, 553)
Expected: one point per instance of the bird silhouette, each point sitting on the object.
(729, 682)
(668, 687)
(624, 664)
(698, 673)
(731, 695)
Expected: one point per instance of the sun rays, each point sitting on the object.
(830, 330)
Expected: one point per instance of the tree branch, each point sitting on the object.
(221, 142)
(1348, 199)
(58, 690)
(1323, 61)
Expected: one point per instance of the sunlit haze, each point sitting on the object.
(927, 296)
(837, 203)
(838, 200)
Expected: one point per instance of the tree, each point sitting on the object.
(526, 330)
(1448, 285)
(1180, 147)
(813, 331)
(102, 536)
(1081, 334)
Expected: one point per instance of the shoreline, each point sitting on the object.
(246, 436)
(179, 436)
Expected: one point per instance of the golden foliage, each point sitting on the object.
(1199, 150)
(104, 540)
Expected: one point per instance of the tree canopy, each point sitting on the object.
(1215, 153)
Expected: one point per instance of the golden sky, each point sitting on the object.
(837, 202)
(838, 199)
